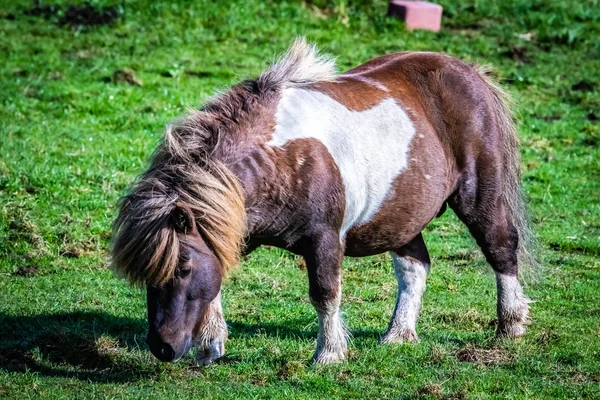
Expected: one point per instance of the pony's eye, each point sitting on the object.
(183, 272)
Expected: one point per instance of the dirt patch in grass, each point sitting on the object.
(290, 369)
(26, 270)
(433, 390)
(77, 249)
(76, 15)
(126, 75)
(491, 356)
(584, 86)
(72, 252)
(301, 264)
(437, 355)
(549, 118)
(518, 54)
(22, 229)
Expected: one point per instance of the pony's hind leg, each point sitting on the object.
(513, 308)
(411, 264)
(490, 222)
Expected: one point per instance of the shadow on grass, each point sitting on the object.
(95, 346)
(81, 345)
(288, 330)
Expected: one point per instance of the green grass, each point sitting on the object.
(72, 139)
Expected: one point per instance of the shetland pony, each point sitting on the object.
(324, 165)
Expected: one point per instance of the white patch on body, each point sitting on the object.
(370, 147)
(513, 306)
(213, 334)
(411, 275)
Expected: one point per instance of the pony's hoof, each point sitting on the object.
(404, 335)
(208, 355)
(513, 331)
(329, 357)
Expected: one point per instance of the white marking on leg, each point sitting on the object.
(411, 275)
(370, 147)
(332, 340)
(213, 334)
(513, 306)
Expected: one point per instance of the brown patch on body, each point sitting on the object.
(353, 92)
(294, 189)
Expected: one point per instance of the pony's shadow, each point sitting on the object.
(85, 345)
(289, 330)
(79, 345)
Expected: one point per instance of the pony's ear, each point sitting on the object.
(183, 218)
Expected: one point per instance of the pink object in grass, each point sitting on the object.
(417, 14)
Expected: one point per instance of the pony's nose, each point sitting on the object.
(165, 352)
(161, 350)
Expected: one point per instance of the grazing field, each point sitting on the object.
(85, 93)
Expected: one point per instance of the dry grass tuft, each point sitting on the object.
(433, 390)
(473, 354)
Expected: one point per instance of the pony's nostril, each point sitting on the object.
(161, 350)
(167, 352)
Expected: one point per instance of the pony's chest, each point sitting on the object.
(370, 147)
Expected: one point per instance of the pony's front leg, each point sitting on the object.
(324, 265)
(212, 334)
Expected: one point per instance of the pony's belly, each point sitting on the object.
(396, 224)
(377, 237)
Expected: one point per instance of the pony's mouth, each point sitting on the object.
(165, 352)
(186, 349)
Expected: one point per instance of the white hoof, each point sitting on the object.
(399, 336)
(329, 357)
(207, 355)
(511, 330)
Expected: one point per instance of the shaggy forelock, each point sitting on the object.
(147, 246)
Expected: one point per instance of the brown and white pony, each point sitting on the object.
(324, 165)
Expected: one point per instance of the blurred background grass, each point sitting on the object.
(86, 89)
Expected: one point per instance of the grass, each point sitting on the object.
(73, 135)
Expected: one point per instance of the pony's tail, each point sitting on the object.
(512, 194)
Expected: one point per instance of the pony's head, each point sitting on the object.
(176, 307)
(177, 234)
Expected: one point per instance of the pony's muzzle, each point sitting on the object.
(168, 352)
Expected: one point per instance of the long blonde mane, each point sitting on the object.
(189, 167)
